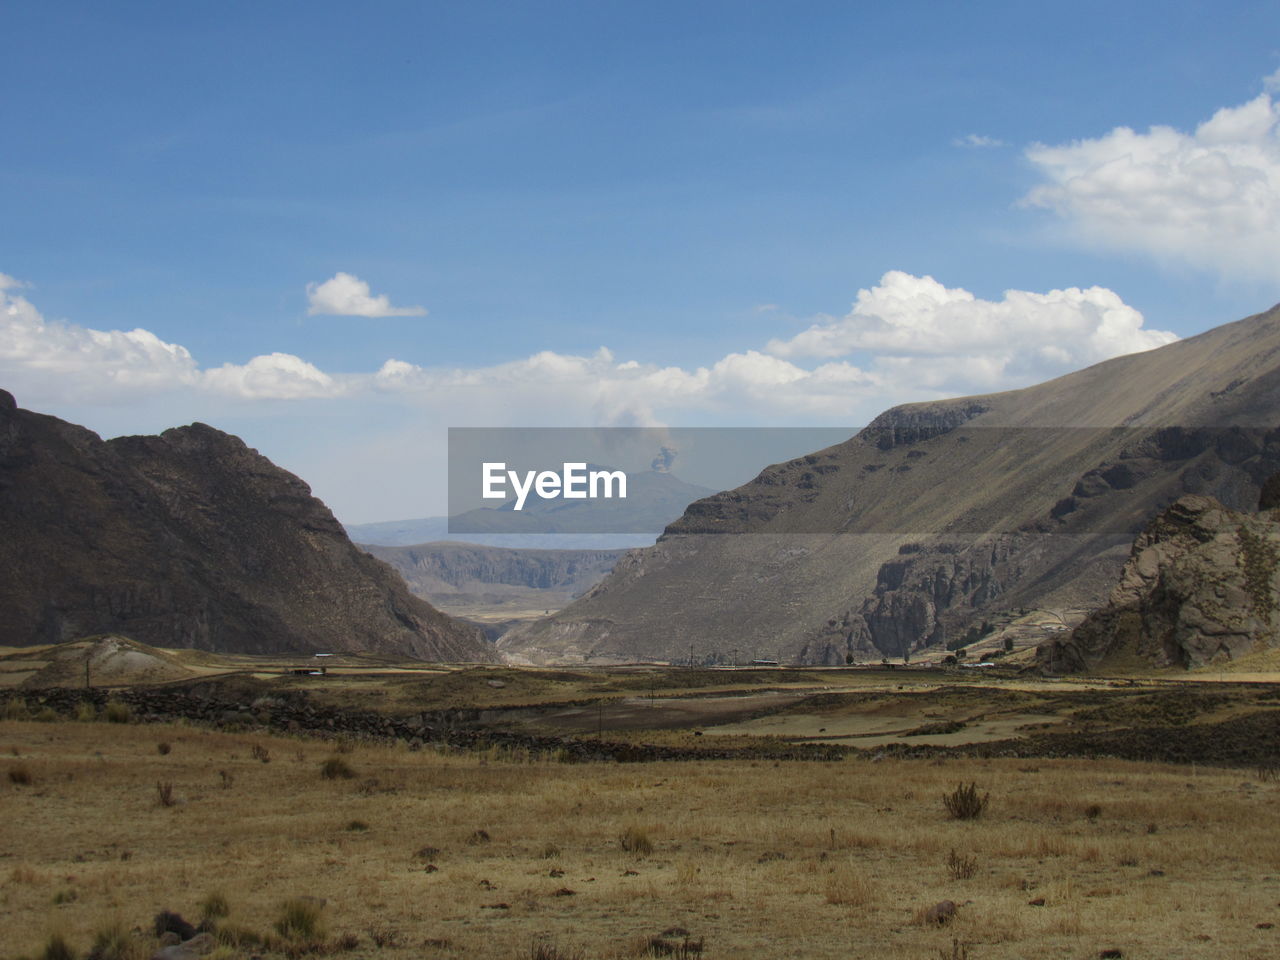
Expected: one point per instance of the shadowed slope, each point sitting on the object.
(189, 539)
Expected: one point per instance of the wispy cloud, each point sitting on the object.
(976, 140)
(345, 295)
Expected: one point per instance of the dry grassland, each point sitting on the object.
(753, 859)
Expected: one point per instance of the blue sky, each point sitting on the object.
(701, 189)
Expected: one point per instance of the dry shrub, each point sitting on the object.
(964, 803)
(259, 752)
(541, 950)
(16, 710)
(85, 712)
(164, 748)
(117, 712)
(20, 774)
(958, 951)
(164, 794)
(961, 867)
(635, 839)
(383, 937)
(335, 768)
(56, 948)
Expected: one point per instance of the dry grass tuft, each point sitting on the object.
(300, 920)
(541, 950)
(214, 907)
(847, 886)
(164, 794)
(20, 775)
(964, 803)
(635, 839)
(113, 942)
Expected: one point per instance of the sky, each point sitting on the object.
(337, 230)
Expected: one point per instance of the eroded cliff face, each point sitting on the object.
(1201, 586)
(190, 539)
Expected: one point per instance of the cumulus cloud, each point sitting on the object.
(909, 338)
(276, 376)
(976, 140)
(345, 295)
(1209, 198)
(84, 363)
(43, 358)
(954, 340)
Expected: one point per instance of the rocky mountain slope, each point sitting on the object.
(1202, 586)
(468, 576)
(939, 515)
(189, 539)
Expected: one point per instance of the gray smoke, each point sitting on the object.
(662, 462)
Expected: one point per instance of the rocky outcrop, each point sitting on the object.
(1201, 586)
(190, 539)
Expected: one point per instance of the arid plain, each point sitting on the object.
(394, 847)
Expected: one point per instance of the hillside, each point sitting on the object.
(189, 539)
(940, 515)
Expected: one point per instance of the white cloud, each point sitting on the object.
(972, 344)
(40, 359)
(908, 338)
(345, 295)
(1210, 198)
(976, 140)
(82, 363)
(277, 376)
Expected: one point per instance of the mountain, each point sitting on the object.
(465, 577)
(190, 539)
(939, 516)
(1201, 586)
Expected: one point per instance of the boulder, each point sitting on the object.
(1201, 586)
